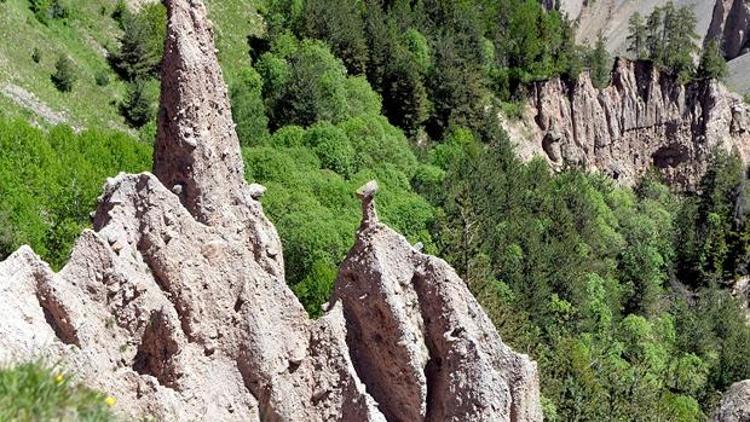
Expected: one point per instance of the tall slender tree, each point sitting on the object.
(637, 37)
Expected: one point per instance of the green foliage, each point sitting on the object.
(49, 183)
(248, 108)
(340, 25)
(45, 10)
(637, 35)
(36, 55)
(670, 38)
(137, 106)
(142, 42)
(65, 75)
(600, 63)
(102, 78)
(712, 64)
(35, 391)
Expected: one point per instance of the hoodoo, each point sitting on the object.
(176, 302)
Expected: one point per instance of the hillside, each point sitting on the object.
(84, 37)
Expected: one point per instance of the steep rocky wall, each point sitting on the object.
(176, 302)
(644, 119)
(731, 25)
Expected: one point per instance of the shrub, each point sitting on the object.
(35, 391)
(102, 78)
(36, 55)
(137, 108)
(64, 75)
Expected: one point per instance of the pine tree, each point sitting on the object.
(64, 75)
(137, 108)
(599, 63)
(637, 35)
(680, 40)
(654, 36)
(712, 64)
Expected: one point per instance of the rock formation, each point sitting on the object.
(735, 404)
(176, 303)
(644, 119)
(731, 25)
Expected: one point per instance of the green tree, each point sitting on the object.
(64, 76)
(655, 36)
(600, 63)
(712, 64)
(137, 108)
(142, 43)
(248, 109)
(637, 36)
(341, 25)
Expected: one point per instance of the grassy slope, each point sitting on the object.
(83, 37)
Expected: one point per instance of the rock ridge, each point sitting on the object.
(176, 302)
(644, 119)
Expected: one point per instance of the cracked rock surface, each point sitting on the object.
(735, 404)
(176, 303)
(643, 119)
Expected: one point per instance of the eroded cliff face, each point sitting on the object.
(731, 25)
(644, 119)
(176, 302)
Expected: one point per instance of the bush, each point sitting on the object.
(64, 75)
(36, 55)
(102, 78)
(35, 391)
(137, 107)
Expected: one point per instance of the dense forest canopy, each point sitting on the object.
(619, 294)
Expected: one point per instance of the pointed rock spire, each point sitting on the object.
(197, 152)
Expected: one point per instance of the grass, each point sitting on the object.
(84, 37)
(35, 391)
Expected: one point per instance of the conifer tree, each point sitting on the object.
(654, 36)
(64, 75)
(599, 63)
(712, 64)
(637, 35)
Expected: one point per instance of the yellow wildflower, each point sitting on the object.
(110, 401)
(59, 378)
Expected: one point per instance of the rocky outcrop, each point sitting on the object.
(176, 303)
(419, 340)
(731, 25)
(644, 119)
(735, 404)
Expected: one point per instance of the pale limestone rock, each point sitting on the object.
(421, 342)
(735, 404)
(644, 119)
